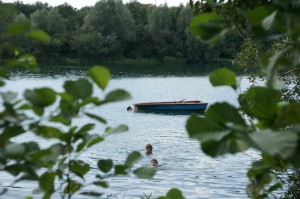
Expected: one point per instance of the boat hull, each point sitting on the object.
(179, 107)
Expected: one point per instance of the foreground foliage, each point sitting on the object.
(262, 121)
(43, 115)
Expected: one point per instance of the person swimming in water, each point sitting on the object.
(148, 149)
(154, 163)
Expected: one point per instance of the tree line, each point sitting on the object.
(113, 31)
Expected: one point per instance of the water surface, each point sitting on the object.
(182, 163)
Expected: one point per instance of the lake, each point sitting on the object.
(182, 163)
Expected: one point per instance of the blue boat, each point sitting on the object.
(179, 107)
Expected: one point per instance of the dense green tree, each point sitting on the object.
(28, 9)
(52, 23)
(111, 17)
(159, 26)
(112, 20)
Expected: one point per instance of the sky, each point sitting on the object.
(79, 3)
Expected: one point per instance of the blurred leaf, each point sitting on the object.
(260, 19)
(267, 23)
(223, 113)
(17, 28)
(120, 169)
(31, 147)
(105, 165)
(9, 96)
(46, 181)
(209, 27)
(14, 150)
(291, 114)
(101, 184)
(38, 110)
(26, 60)
(174, 193)
(39, 35)
(95, 140)
(96, 117)
(80, 88)
(260, 102)
(145, 172)
(257, 15)
(85, 129)
(119, 129)
(61, 119)
(204, 129)
(72, 187)
(79, 168)
(281, 144)
(10, 132)
(229, 144)
(100, 76)
(117, 95)
(132, 158)
(40, 97)
(223, 77)
(2, 83)
(47, 131)
(92, 193)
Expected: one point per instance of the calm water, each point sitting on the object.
(182, 163)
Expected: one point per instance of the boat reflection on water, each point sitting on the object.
(183, 107)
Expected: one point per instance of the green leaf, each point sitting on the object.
(145, 172)
(40, 97)
(260, 102)
(72, 187)
(38, 110)
(85, 129)
(61, 119)
(117, 95)
(224, 113)
(120, 169)
(9, 96)
(79, 89)
(209, 27)
(223, 77)
(204, 129)
(100, 76)
(268, 21)
(291, 114)
(101, 184)
(79, 168)
(132, 158)
(17, 28)
(257, 15)
(39, 35)
(119, 129)
(46, 181)
(95, 140)
(105, 165)
(256, 19)
(26, 60)
(96, 117)
(9, 132)
(175, 193)
(229, 144)
(282, 144)
(14, 150)
(47, 131)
